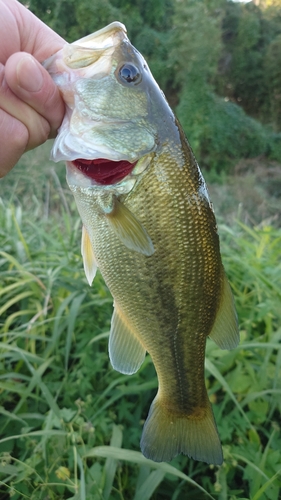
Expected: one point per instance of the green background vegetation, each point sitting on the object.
(69, 424)
(217, 61)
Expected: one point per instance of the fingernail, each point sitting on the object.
(29, 74)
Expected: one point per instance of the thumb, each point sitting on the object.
(32, 85)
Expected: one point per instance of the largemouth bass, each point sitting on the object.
(149, 226)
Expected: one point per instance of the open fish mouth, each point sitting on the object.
(106, 174)
(104, 171)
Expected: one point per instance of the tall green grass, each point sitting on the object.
(69, 424)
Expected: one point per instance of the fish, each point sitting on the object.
(149, 226)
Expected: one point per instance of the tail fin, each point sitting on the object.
(166, 435)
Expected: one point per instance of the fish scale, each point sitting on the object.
(162, 280)
(152, 234)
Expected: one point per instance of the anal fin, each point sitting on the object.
(225, 331)
(125, 350)
(89, 261)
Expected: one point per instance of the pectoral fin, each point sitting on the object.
(125, 350)
(89, 261)
(225, 331)
(129, 230)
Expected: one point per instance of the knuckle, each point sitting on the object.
(39, 132)
(13, 140)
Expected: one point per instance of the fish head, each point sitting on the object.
(111, 100)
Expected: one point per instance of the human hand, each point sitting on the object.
(31, 108)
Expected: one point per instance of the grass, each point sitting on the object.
(69, 424)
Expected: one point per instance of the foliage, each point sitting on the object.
(220, 132)
(72, 20)
(218, 129)
(196, 41)
(273, 78)
(242, 61)
(70, 425)
(247, 66)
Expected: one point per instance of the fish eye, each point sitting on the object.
(129, 73)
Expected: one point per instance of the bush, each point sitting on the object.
(220, 132)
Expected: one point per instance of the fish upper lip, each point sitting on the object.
(100, 157)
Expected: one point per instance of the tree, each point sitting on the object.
(272, 67)
(267, 3)
(197, 50)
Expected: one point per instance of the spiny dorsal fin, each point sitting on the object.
(125, 350)
(129, 230)
(225, 331)
(89, 261)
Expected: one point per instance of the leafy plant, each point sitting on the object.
(70, 425)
